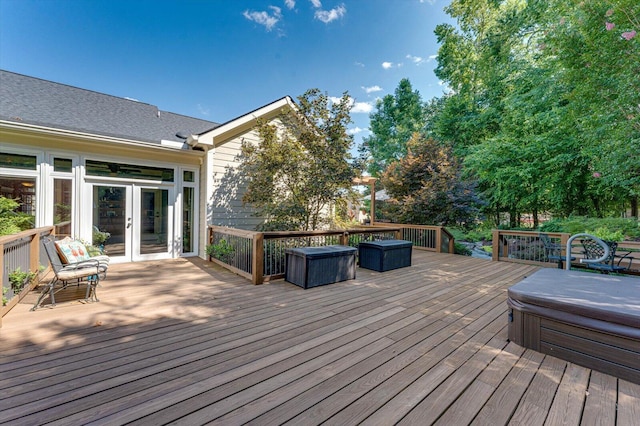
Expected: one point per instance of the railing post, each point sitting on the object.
(1, 276)
(34, 253)
(344, 238)
(438, 239)
(564, 239)
(398, 234)
(495, 243)
(257, 262)
(452, 245)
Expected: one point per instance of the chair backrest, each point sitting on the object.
(593, 250)
(52, 254)
(550, 247)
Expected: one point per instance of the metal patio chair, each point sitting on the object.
(88, 272)
(553, 251)
(593, 250)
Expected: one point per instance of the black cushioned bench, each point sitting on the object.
(589, 319)
(313, 266)
(385, 255)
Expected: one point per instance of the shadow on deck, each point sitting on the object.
(183, 340)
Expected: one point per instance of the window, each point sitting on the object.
(22, 190)
(188, 176)
(188, 206)
(62, 206)
(101, 168)
(62, 165)
(18, 161)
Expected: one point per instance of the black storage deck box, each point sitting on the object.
(314, 266)
(385, 255)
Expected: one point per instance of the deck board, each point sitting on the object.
(185, 341)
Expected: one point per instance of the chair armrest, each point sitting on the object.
(100, 266)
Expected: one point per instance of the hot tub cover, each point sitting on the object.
(609, 298)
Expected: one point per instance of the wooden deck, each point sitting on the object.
(184, 341)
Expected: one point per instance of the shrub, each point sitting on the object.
(221, 250)
(460, 248)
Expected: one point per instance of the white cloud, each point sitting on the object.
(387, 65)
(428, 1)
(203, 110)
(316, 3)
(359, 64)
(290, 3)
(264, 18)
(327, 16)
(356, 107)
(372, 89)
(362, 108)
(355, 130)
(416, 59)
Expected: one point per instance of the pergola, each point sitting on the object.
(371, 181)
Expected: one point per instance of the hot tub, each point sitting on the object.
(589, 319)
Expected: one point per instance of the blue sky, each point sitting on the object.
(219, 59)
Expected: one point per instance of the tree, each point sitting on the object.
(393, 123)
(545, 102)
(426, 186)
(11, 221)
(300, 168)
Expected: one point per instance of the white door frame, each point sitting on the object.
(132, 215)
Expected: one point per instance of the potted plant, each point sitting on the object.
(99, 237)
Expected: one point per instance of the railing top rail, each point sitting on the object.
(23, 234)
(529, 233)
(286, 234)
(402, 225)
(234, 231)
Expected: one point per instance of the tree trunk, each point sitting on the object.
(634, 207)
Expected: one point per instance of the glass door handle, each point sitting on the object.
(128, 222)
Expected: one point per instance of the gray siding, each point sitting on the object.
(229, 186)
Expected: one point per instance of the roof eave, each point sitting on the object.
(123, 143)
(242, 124)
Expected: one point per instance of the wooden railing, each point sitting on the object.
(526, 247)
(23, 251)
(260, 256)
(425, 237)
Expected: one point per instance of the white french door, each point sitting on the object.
(138, 219)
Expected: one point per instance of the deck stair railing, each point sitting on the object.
(260, 256)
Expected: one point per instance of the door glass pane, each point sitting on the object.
(62, 206)
(109, 222)
(187, 220)
(153, 220)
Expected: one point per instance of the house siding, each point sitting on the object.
(229, 185)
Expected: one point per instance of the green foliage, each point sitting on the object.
(460, 248)
(612, 229)
(426, 187)
(392, 125)
(545, 107)
(221, 250)
(18, 279)
(606, 234)
(300, 169)
(99, 237)
(12, 222)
